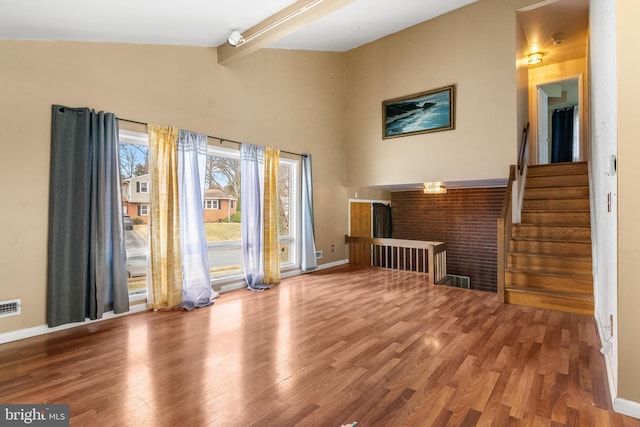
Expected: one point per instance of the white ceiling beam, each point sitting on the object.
(227, 54)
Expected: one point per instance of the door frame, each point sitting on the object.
(583, 111)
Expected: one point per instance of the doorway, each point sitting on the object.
(560, 121)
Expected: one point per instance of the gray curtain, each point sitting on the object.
(309, 261)
(86, 270)
(381, 220)
(562, 130)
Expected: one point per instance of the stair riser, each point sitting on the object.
(578, 285)
(577, 168)
(582, 234)
(563, 193)
(550, 248)
(567, 305)
(573, 218)
(549, 264)
(556, 181)
(556, 205)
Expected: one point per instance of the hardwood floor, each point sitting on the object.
(380, 347)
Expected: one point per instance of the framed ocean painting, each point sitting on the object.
(430, 111)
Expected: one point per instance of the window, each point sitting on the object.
(288, 211)
(142, 187)
(223, 227)
(133, 164)
(212, 204)
(222, 220)
(223, 174)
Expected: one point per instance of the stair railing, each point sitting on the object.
(521, 177)
(399, 254)
(504, 232)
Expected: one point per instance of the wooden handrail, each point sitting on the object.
(504, 233)
(400, 254)
(523, 147)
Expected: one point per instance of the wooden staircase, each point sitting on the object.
(549, 254)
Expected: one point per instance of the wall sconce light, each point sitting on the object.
(535, 58)
(434, 188)
(235, 38)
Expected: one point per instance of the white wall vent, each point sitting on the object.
(318, 254)
(11, 307)
(458, 281)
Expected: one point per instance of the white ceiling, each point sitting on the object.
(207, 22)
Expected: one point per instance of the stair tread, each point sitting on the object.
(548, 292)
(571, 275)
(556, 224)
(535, 224)
(548, 239)
(559, 210)
(548, 255)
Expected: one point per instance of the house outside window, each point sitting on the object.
(143, 210)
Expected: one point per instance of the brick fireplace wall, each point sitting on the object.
(463, 218)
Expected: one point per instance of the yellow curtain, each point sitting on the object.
(165, 280)
(271, 244)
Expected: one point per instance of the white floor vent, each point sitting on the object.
(10, 307)
(458, 281)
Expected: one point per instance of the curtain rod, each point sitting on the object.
(211, 137)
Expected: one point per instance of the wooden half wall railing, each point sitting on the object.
(504, 233)
(400, 254)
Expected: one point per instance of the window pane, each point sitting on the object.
(284, 189)
(134, 173)
(221, 216)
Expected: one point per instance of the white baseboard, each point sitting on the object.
(44, 329)
(620, 405)
(611, 374)
(626, 407)
(333, 264)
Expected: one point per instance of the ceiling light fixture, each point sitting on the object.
(557, 38)
(434, 188)
(236, 39)
(535, 58)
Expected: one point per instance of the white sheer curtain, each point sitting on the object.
(308, 261)
(251, 194)
(196, 282)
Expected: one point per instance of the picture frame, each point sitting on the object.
(424, 112)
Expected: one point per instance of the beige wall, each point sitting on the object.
(522, 79)
(287, 99)
(628, 40)
(474, 48)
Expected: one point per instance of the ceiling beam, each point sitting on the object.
(227, 54)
